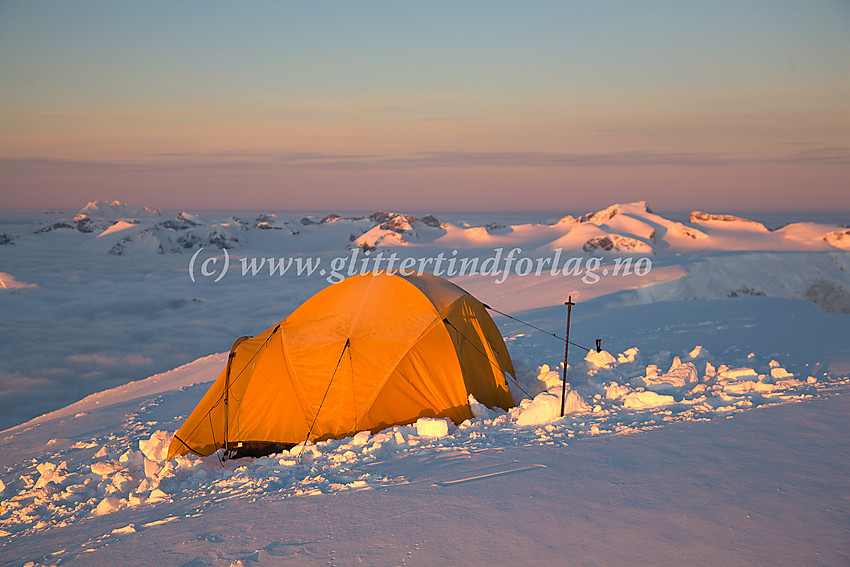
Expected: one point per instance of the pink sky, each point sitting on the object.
(551, 108)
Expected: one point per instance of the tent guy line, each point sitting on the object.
(485, 355)
(584, 348)
(324, 397)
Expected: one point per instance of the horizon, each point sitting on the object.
(397, 105)
(772, 219)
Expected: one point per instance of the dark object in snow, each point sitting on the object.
(257, 449)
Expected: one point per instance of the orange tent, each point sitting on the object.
(369, 352)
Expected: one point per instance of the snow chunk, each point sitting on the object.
(105, 468)
(361, 438)
(574, 403)
(157, 495)
(431, 427)
(744, 387)
(51, 473)
(155, 448)
(779, 373)
(128, 529)
(696, 352)
(627, 356)
(738, 374)
(479, 410)
(108, 505)
(602, 359)
(152, 468)
(614, 391)
(679, 376)
(646, 400)
(131, 458)
(546, 407)
(546, 378)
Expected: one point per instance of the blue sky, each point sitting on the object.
(439, 105)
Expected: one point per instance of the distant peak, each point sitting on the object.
(617, 208)
(700, 217)
(117, 209)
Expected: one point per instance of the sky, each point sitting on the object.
(426, 106)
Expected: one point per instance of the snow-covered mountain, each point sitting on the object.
(117, 209)
(630, 228)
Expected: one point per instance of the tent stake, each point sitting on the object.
(569, 303)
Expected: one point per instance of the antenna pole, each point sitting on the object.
(569, 303)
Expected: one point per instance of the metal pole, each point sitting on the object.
(569, 303)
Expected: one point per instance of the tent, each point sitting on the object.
(369, 352)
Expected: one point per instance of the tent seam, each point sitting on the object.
(438, 319)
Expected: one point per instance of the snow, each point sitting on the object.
(117, 227)
(72, 485)
(729, 322)
(601, 359)
(546, 407)
(838, 238)
(8, 282)
(681, 375)
(116, 209)
(428, 427)
(646, 400)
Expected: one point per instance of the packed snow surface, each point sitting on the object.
(730, 317)
(103, 472)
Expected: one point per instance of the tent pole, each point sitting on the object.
(569, 303)
(227, 392)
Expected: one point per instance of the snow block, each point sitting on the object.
(430, 427)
